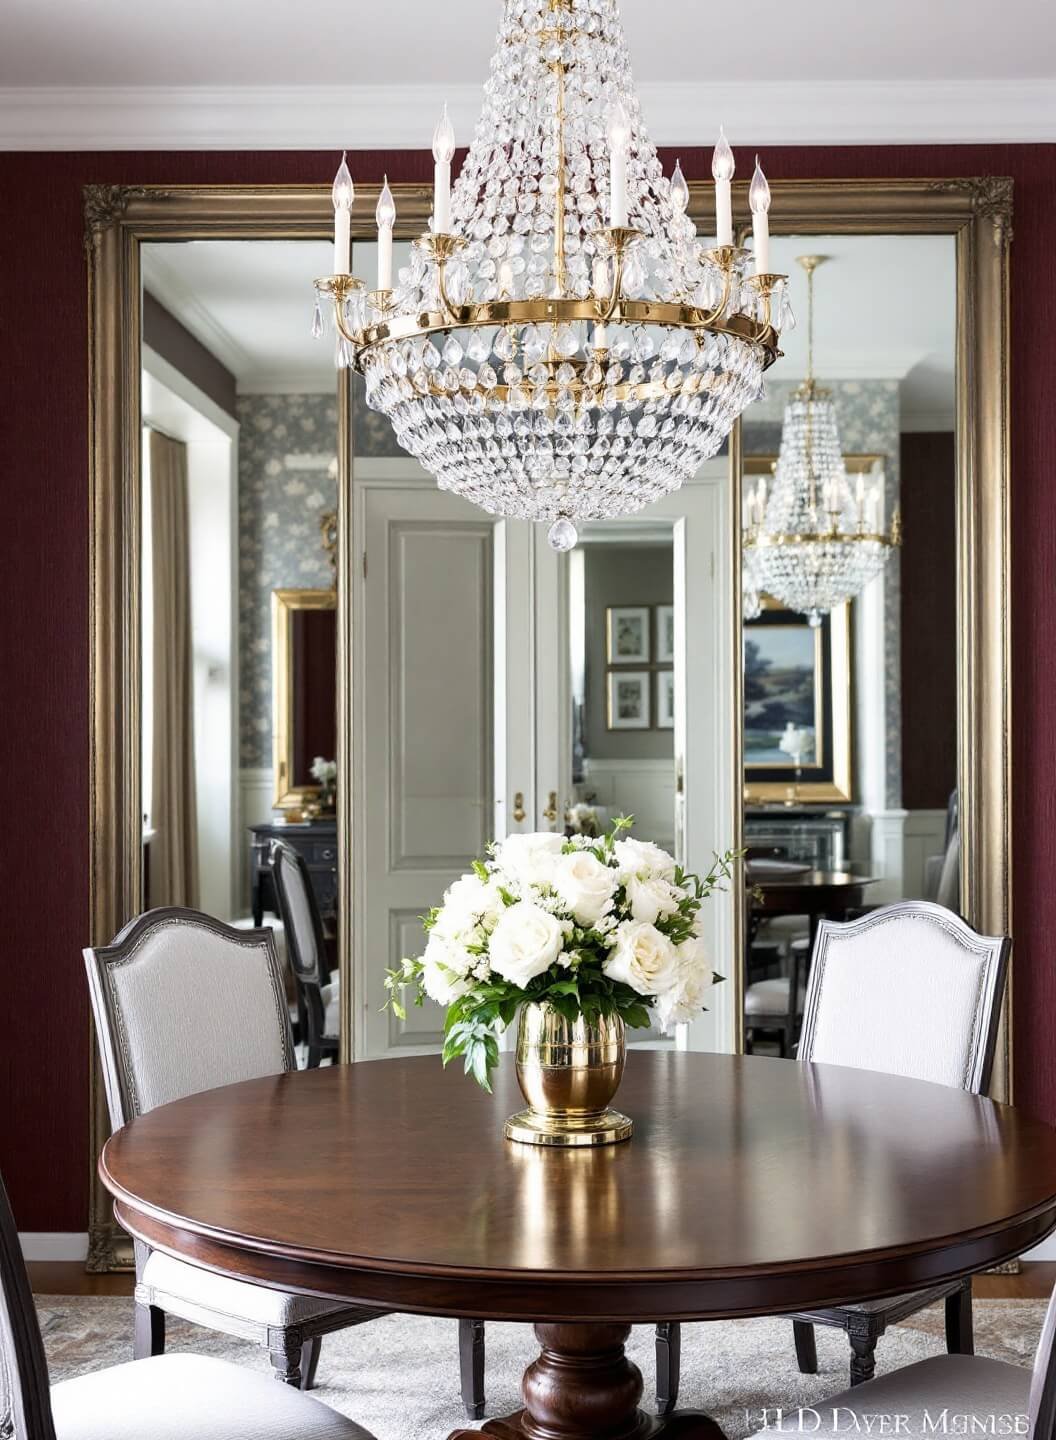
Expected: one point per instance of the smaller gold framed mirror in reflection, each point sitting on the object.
(304, 699)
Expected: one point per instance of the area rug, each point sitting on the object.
(398, 1376)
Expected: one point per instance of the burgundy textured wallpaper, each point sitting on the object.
(44, 632)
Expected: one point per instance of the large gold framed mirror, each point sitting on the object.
(120, 221)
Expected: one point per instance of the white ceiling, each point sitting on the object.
(885, 308)
(327, 73)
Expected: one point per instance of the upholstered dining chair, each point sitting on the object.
(171, 1397)
(980, 1397)
(907, 989)
(306, 948)
(184, 1003)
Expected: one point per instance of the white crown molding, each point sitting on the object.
(916, 422)
(401, 117)
(172, 291)
(280, 382)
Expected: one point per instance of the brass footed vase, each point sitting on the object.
(568, 1072)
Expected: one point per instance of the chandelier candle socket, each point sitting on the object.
(561, 345)
(811, 541)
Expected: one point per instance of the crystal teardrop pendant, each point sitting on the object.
(562, 534)
(317, 320)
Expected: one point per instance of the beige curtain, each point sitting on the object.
(174, 847)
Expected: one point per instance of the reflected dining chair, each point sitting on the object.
(317, 994)
(172, 1397)
(184, 1003)
(958, 1394)
(907, 989)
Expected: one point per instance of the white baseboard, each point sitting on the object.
(53, 1245)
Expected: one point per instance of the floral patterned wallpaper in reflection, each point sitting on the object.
(287, 479)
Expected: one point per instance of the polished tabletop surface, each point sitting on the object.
(740, 1169)
(806, 878)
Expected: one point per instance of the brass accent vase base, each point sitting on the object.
(568, 1071)
(529, 1128)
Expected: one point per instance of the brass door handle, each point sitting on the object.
(550, 813)
(519, 812)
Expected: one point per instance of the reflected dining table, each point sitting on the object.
(751, 1186)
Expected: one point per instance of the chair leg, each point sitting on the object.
(668, 1364)
(960, 1339)
(310, 1361)
(863, 1357)
(806, 1349)
(471, 1366)
(286, 1365)
(148, 1332)
(315, 1056)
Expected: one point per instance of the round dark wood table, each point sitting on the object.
(751, 1186)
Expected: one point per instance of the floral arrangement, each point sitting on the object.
(582, 818)
(590, 926)
(324, 773)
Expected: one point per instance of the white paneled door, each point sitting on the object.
(461, 701)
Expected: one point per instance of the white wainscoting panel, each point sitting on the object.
(256, 791)
(923, 835)
(896, 845)
(642, 788)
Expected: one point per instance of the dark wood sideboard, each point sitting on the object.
(316, 840)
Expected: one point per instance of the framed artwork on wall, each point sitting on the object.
(665, 634)
(665, 700)
(628, 634)
(629, 700)
(797, 706)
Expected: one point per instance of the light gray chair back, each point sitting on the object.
(909, 989)
(184, 1003)
(25, 1397)
(1043, 1381)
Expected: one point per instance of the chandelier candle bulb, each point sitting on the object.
(722, 169)
(386, 218)
(343, 194)
(443, 154)
(619, 140)
(759, 200)
(679, 189)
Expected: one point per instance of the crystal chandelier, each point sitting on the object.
(561, 345)
(812, 542)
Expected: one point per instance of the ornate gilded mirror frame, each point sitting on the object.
(290, 794)
(118, 221)
(977, 212)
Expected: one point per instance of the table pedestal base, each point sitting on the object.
(583, 1387)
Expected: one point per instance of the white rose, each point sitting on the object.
(585, 885)
(525, 943)
(444, 968)
(650, 897)
(530, 859)
(642, 958)
(685, 1000)
(642, 857)
(469, 902)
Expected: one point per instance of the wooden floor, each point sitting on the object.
(65, 1277)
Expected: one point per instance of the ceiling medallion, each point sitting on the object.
(561, 346)
(810, 540)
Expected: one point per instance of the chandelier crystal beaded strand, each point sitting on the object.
(561, 346)
(811, 541)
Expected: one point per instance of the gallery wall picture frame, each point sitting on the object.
(665, 700)
(796, 674)
(628, 635)
(665, 634)
(629, 699)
